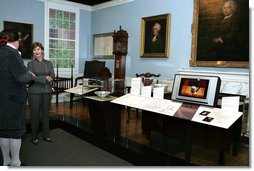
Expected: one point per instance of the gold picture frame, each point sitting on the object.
(155, 46)
(205, 20)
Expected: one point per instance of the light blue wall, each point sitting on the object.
(85, 38)
(129, 16)
(25, 11)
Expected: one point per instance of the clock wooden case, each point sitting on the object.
(120, 48)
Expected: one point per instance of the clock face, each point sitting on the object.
(120, 39)
(118, 46)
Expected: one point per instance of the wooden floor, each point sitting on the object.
(132, 131)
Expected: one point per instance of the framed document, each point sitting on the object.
(103, 46)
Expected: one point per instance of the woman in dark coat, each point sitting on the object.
(14, 76)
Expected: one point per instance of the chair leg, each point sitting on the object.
(71, 100)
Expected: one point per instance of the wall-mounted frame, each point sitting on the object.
(208, 19)
(26, 36)
(103, 46)
(155, 46)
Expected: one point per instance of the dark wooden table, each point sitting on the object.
(105, 116)
(191, 133)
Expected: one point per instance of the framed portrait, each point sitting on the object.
(155, 36)
(220, 34)
(26, 37)
(103, 46)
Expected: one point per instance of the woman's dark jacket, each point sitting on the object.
(41, 69)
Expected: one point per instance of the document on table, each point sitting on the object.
(216, 116)
(162, 106)
(129, 100)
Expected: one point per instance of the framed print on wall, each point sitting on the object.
(220, 33)
(155, 36)
(103, 46)
(26, 37)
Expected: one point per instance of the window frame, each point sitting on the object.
(69, 8)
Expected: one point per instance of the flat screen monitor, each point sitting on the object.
(198, 89)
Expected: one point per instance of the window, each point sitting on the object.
(61, 39)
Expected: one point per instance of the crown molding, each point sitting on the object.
(110, 4)
(74, 4)
(87, 7)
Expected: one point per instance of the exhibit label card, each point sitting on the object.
(146, 91)
(230, 103)
(158, 93)
(85, 82)
(135, 86)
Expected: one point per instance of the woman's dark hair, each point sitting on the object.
(37, 44)
(8, 35)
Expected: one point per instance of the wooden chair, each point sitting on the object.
(92, 70)
(59, 84)
(147, 79)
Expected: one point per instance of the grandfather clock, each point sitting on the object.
(120, 47)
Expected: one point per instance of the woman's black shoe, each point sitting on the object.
(48, 140)
(35, 142)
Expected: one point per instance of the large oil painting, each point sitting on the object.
(26, 36)
(220, 33)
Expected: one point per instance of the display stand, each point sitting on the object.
(80, 91)
(214, 120)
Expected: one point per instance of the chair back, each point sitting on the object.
(93, 68)
(148, 78)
